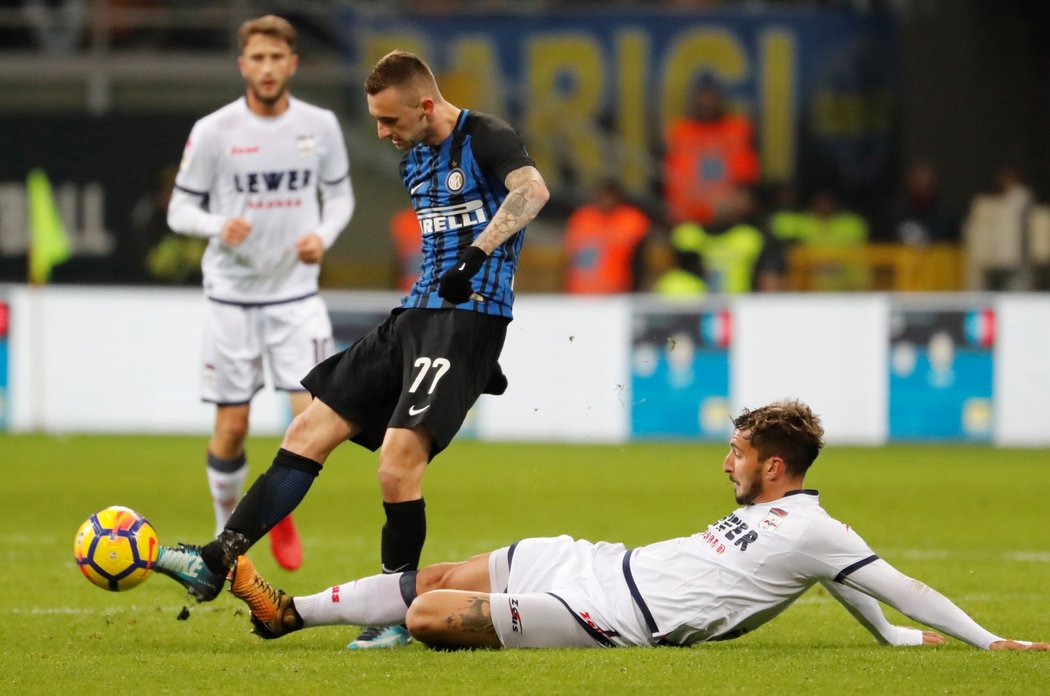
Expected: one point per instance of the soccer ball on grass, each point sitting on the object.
(116, 548)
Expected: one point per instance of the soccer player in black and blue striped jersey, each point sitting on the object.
(406, 387)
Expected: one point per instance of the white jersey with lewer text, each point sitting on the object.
(743, 570)
(267, 170)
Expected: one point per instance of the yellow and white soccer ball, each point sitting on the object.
(116, 548)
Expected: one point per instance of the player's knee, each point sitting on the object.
(299, 431)
(425, 623)
(230, 435)
(399, 478)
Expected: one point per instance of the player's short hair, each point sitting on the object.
(397, 69)
(270, 25)
(786, 429)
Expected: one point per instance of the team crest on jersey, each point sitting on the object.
(455, 180)
(772, 520)
(306, 144)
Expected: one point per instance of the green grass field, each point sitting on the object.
(970, 521)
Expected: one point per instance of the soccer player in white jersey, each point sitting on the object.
(250, 181)
(717, 584)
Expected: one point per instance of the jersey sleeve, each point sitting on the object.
(497, 147)
(335, 166)
(866, 610)
(198, 167)
(919, 602)
(831, 550)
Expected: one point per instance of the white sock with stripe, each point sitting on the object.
(373, 601)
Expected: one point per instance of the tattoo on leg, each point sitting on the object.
(477, 618)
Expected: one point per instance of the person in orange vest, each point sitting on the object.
(709, 155)
(408, 250)
(604, 244)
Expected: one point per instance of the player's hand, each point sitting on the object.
(1018, 645)
(455, 285)
(235, 230)
(932, 638)
(310, 248)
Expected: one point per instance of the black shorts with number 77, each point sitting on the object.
(420, 367)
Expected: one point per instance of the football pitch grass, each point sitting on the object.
(971, 521)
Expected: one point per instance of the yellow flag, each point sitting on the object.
(48, 243)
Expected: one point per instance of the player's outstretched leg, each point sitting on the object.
(273, 612)
(285, 544)
(184, 565)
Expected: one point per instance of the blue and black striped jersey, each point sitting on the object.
(456, 189)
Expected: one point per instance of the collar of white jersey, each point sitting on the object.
(292, 101)
(806, 493)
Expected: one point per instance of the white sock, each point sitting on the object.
(225, 490)
(371, 601)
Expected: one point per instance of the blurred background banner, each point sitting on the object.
(941, 372)
(680, 373)
(5, 324)
(879, 367)
(105, 172)
(592, 93)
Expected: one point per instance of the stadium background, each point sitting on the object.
(844, 91)
(100, 95)
(105, 108)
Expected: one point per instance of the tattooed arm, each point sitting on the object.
(526, 195)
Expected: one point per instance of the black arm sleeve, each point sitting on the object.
(497, 147)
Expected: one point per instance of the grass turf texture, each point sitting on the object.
(970, 521)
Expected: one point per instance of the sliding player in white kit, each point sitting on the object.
(718, 584)
(249, 181)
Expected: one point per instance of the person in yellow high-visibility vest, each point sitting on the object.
(826, 224)
(737, 256)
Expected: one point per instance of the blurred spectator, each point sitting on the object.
(995, 234)
(826, 223)
(919, 216)
(786, 222)
(735, 253)
(59, 26)
(685, 279)
(154, 253)
(605, 244)
(708, 156)
(408, 249)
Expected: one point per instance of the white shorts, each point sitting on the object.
(291, 337)
(585, 578)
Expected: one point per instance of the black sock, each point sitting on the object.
(403, 535)
(407, 585)
(270, 499)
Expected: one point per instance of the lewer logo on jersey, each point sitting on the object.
(451, 217)
(455, 180)
(733, 529)
(262, 182)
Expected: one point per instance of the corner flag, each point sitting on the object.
(48, 243)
